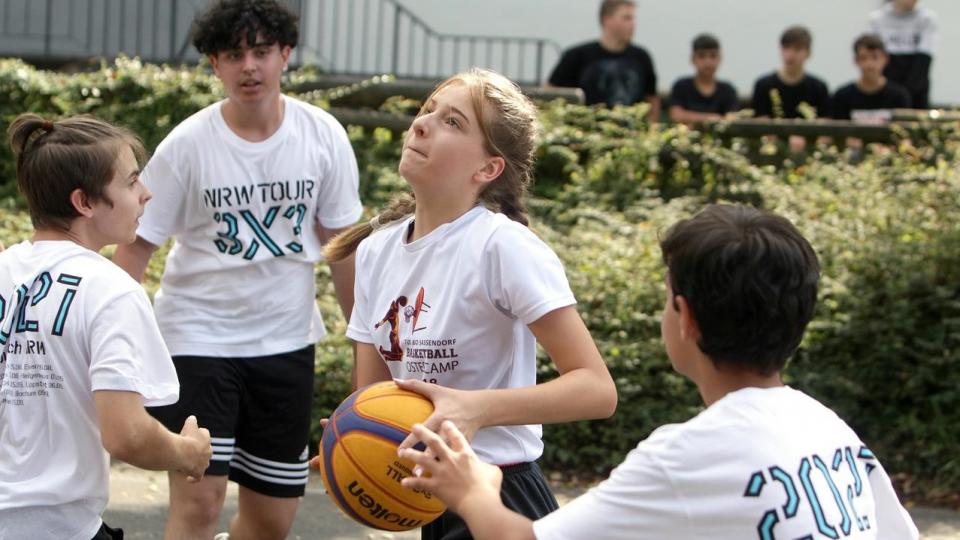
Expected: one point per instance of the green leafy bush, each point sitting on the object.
(882, 349)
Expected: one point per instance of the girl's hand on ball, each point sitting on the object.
(461, 407)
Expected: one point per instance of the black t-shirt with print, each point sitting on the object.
(612, 78)
(686, 95)
(852, 98)
(810, 90)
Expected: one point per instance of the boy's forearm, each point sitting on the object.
(158, 449)
(134, 257)
(131, 435)
(491, 520)
(342, 275)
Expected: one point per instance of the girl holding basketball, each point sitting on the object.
(487, 290)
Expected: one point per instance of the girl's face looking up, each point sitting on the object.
(445, 147)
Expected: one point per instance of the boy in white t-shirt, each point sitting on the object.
(250, 188)
(80, 351)
(762, 461)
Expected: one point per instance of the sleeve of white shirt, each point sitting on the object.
(358, 329)
(894, 521)
(338, 203)
(163, 215)
(928, 35)
(637, 501)
(127, 352)
(524, 277)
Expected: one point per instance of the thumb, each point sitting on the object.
(191, 422)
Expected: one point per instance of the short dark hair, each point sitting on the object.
(706, 42)
(227, 23)
(750, 279)
(608, 7)
(796, 36)
(56, 157)
(870, 42)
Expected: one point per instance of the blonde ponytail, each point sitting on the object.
(345, 244)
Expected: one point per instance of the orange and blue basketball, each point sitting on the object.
(359, 463)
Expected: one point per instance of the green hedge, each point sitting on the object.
(882, 350)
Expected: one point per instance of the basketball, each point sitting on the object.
(359, 463)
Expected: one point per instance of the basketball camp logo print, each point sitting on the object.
(421, 356)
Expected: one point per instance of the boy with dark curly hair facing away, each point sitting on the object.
(761, 461)
(251, 188)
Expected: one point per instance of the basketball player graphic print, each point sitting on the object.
(411, 315)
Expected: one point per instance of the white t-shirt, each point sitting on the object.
(239, 280)
(452, 308)
(905, 33)
(759, 463)
(72, 323)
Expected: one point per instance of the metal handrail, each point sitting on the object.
(353, 37)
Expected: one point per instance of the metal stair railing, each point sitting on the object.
(349, 37)
(369, 37)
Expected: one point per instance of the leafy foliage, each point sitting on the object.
(882, 351)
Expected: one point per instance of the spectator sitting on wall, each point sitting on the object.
(703, 97)
(871, 97)
(779, 94)
(909, 33)
(611, 71)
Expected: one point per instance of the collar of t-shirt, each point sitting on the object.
(266, 145)
(440, 232)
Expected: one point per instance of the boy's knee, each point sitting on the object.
(199, 507)
(262, 525)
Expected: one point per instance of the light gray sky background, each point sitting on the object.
(749, 31)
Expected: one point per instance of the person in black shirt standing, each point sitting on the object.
(779, 94)
(703, 97)
(611, 71)
(872, 91)
(909, 32)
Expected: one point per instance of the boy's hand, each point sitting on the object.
(199, 450)
(453, 473)
(315, 461)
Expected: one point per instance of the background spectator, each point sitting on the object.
(612, 70)
(909, 32)
(703, 97)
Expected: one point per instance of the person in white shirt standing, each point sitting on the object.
(250, 188)
(80, 351)
(762, 461)
(909, 32)
(453, 290)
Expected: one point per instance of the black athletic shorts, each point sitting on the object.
(107, 533)
(524, 490)
(258, 412)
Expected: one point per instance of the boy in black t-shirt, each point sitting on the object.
(702, 97)
(611, 71)
(870, 98)
(779, 94)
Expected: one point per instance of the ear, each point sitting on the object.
(689, 329)
(214, 63)
(491, 170)
(81, 202)
(285, 54)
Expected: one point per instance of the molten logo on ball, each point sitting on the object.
(359, 464)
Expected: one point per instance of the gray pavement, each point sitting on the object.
(138, 504)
